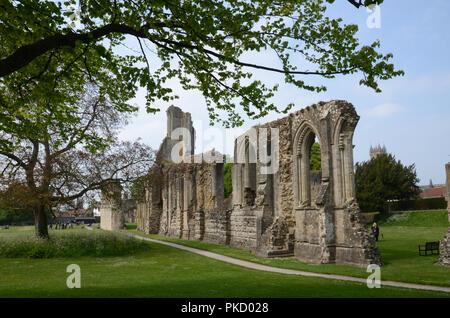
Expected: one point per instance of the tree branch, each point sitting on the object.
(27, 53)
(13, 157)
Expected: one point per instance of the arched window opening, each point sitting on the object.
(250, 173)
(308, 166)
(315, 164)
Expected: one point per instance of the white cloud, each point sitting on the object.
(385, 110)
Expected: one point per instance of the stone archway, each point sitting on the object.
(303, 141)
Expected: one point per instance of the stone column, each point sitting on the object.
(445, 243)
(447, 169)
(111, 216)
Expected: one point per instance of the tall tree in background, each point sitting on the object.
(49, 159)
(384, 178)
(202, 43)
(227, 179)
(315, 159)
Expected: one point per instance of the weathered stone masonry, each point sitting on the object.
(294, 211)
(445, 243)
(112, 218)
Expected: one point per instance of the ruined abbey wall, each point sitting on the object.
(278, 206)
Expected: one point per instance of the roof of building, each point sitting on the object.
(436, 192)
(75, 213)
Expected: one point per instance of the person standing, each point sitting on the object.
(375, 231)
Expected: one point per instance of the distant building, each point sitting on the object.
(433, 192)
(376, 151)
(79, 215)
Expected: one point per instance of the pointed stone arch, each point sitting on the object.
(344, 185)
(244, 169)
(303, 140)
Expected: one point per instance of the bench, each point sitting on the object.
(429, 247)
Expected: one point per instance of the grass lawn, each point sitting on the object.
(163, 271)
(398, 248)
(168, 272)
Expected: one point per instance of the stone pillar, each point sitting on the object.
(445, 243)
(176, 118)
(111, 216)
(447, 169)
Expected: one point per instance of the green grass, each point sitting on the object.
(398, 247)
(432, 218)
(68, 243)
(14, 230)
(131, 226)
(164, 271)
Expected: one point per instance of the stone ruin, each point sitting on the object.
(111, 216)
(445, 243)
(116, 210)
(287, 211)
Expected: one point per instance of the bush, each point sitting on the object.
(228, 185)
(17, 216)
(72, 244)
(419, 204)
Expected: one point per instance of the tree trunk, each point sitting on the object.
(40, 222)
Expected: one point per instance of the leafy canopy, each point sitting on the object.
(201, 43)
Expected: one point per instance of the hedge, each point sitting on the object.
(419, 204)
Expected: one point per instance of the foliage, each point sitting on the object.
(13, 204)
(315, 160)
(53, 163)
(137, 189)
(15, 216)
(73, 243)
(384, 178)
(202, 43)
(227, 181)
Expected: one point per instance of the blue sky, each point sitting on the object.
(412, 114)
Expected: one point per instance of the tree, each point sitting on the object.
(315, 160)
(199, 42)
(56, 158)
(366, 3)
(227, 179)
(384, 178)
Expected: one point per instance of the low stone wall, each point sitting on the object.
(243, 228)
(217, 228)
(445, 250)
